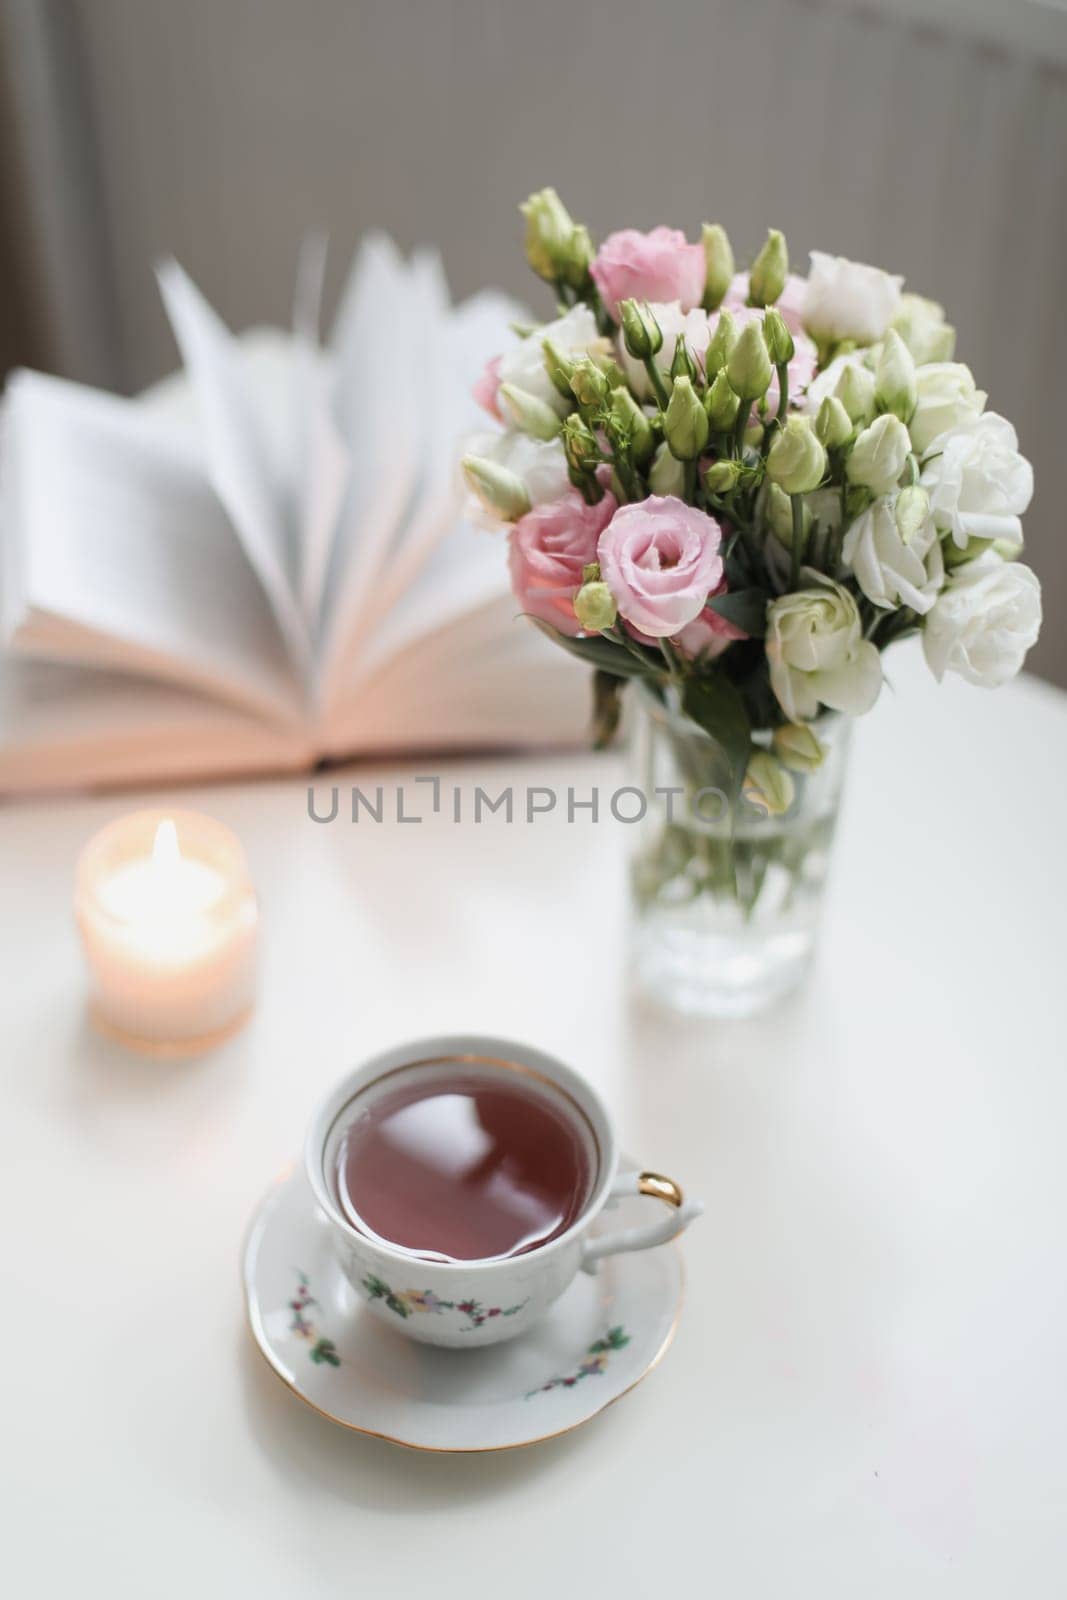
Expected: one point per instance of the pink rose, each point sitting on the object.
(549, 546)
(660, 559)
(487, 388)
(659, 265)
(708, 634)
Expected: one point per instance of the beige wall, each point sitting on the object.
(222, 130)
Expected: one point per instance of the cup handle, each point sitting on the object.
(679, 1215)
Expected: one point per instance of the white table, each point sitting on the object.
(866, 1395)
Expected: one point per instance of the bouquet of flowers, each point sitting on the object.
(741, 487)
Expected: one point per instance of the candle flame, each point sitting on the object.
(166, 851)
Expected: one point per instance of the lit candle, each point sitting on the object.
(168, 918)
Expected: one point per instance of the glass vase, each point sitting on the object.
(726, 898)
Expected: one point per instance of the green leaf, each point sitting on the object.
(716, 706)
(599, 653)
(745, 608)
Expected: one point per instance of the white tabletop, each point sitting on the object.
(866, 1393)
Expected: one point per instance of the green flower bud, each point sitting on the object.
(627, 423)
(780, 345)
(722, 342)
(551, 247)
(683, 365)
(559, 366)
(580, 446)
(685, 424)
(721, 404)
(594, 606)
(610, 368)
(749, 367)
(778, 511)
(879, 454)
(797, 748)
(499, 490)
(640, 330)
(722, 476)
(855, 390)
(667, 475)
(589, 385)
(911, 511)
(526, 412)
(894, 378)
(767, 784)
(720, 264)
(769, 270)
(796, 461)
(833, 425)
(577, 258)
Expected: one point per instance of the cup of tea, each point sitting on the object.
(462, 1178)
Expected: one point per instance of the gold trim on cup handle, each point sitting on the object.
(660, 1188)
(679, 1215)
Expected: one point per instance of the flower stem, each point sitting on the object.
(743, 412)
(690, 481)
(671, 659)
(627, 475)
(783, 393)
(655, 378)
(798, 540)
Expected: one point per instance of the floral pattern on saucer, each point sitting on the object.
(378, 1386)
(596, 1360)
(404, 1302)
(322, 1351)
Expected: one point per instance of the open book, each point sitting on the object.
(262, 563)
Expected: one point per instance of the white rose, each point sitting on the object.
(817, 653)
(523, 366)
(948, 400)
(985, 620)
(922, 326)
(847, 300)
(979, 485)
(540, 465)
(857, 395)
(672, 321)
(890, 569)
(878, 455)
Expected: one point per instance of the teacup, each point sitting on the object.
(465, 1304)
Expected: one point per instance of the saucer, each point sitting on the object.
(596, 1343)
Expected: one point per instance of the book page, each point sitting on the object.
(64, 727)
(121, 553)
(376, 348)
(436, 567)
(323, 465)
(486, 679)
(242, 468)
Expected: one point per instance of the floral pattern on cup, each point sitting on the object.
(321, 1350)
(595, 1363)
(406, 1302)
